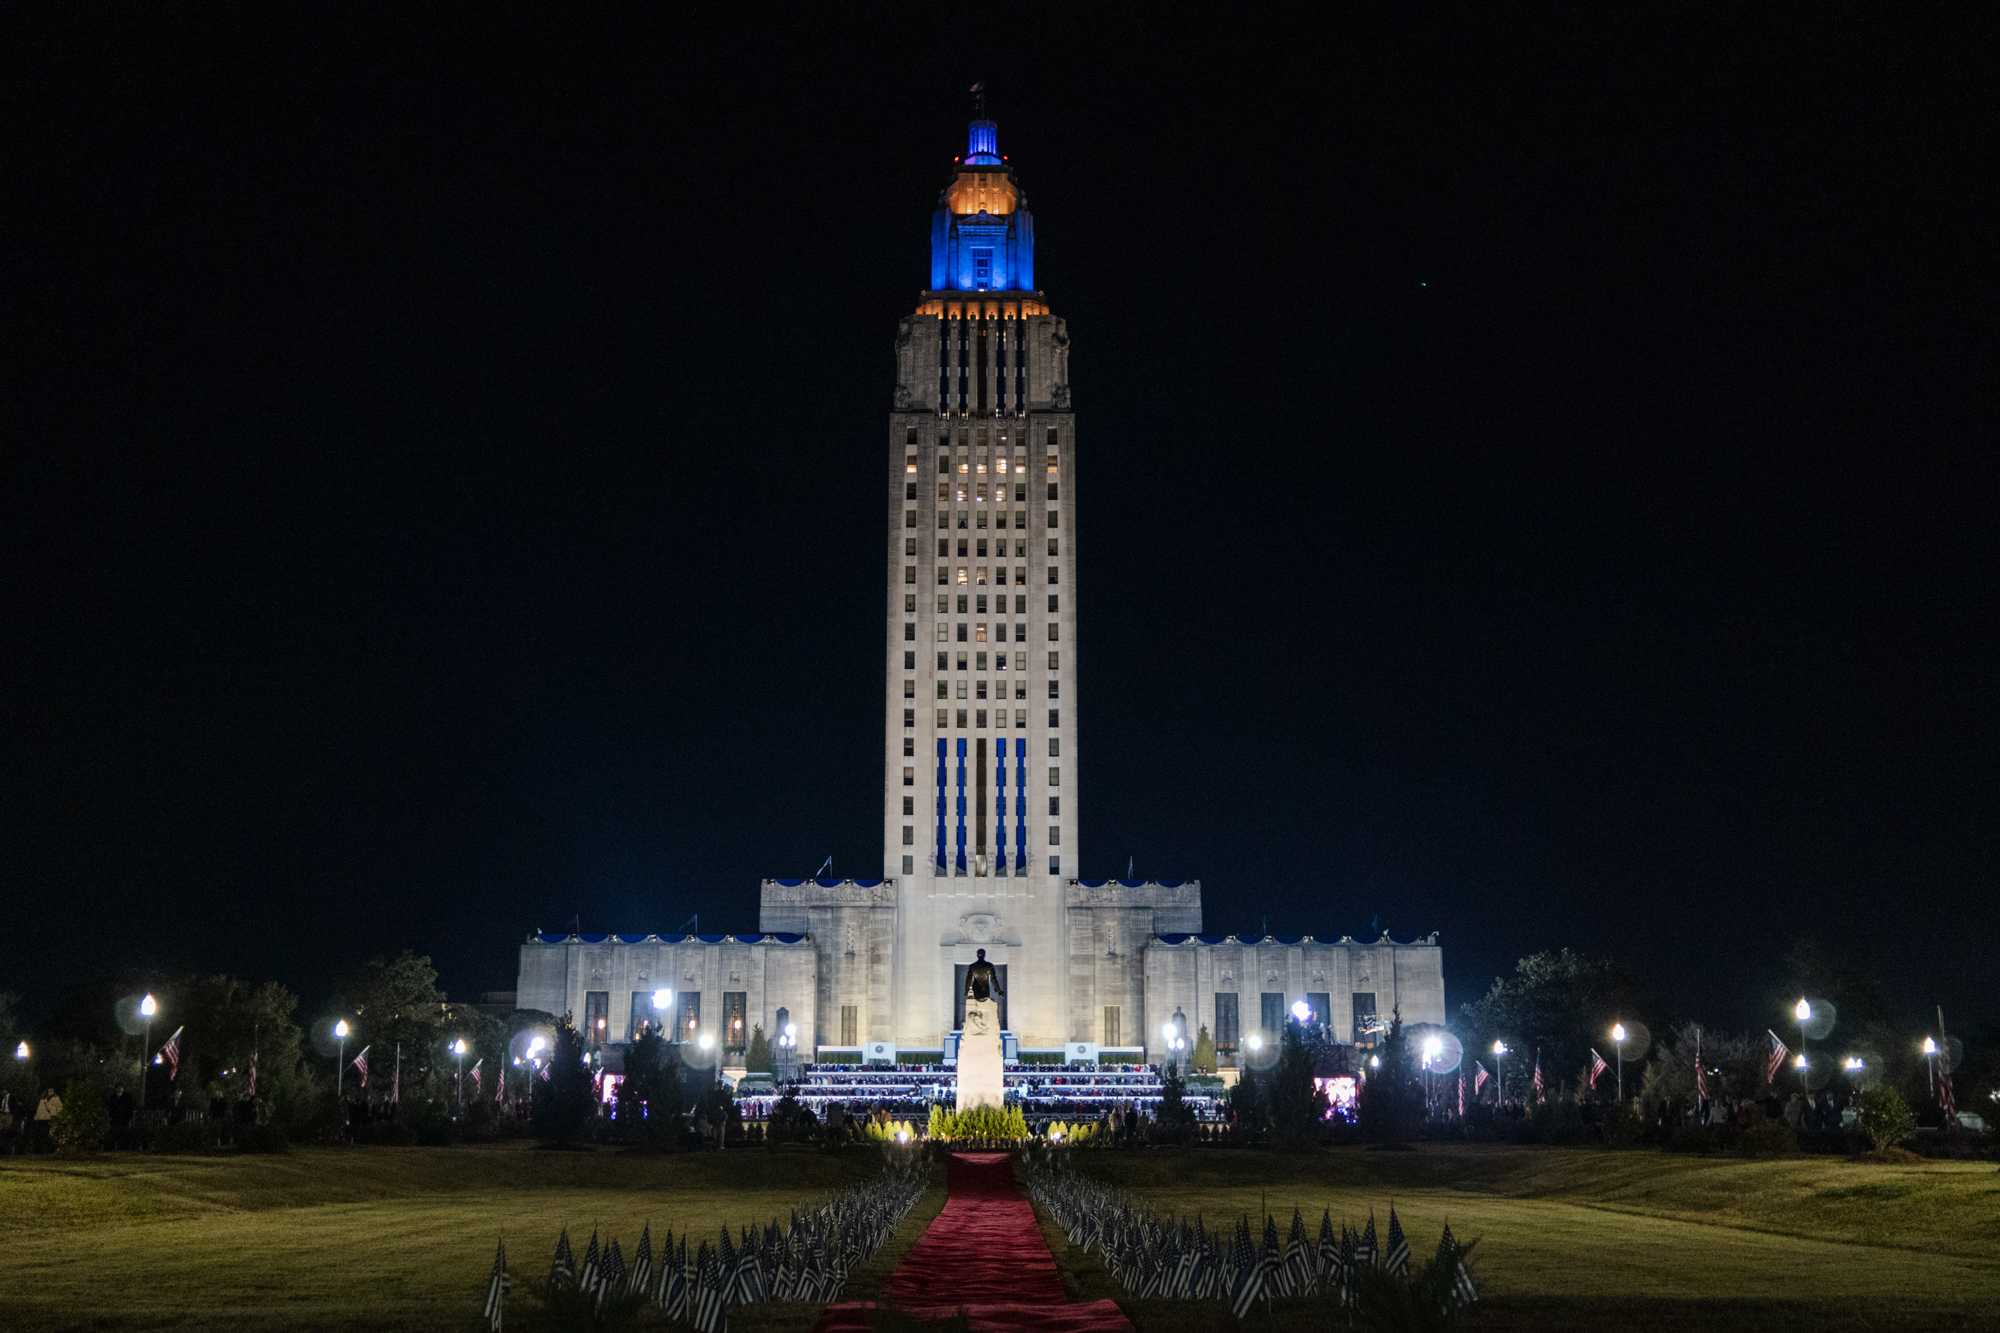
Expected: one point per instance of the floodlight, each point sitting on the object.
(458, 1047)
(534, 1047)
(706, 1041)
(1374, 1062)
(1433, 1048)
(1618, 1032)
(21, 1051)
(663, 998)
(1930, 1046)
(1301, 1010)
(149, 1006)
(792, 1030)
(1254, 1042)
(1801, 1061)
(341, 1029)
(1802, 1011)
(1499, 1048)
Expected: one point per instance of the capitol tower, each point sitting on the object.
(979, 819)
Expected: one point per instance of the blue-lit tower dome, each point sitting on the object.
(982, 235)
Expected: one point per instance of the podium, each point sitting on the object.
(981, 1073)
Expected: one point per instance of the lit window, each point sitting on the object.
(979, 632)
(1000, 465)
(962, 575)
(910, 464)
(1055, 747)
(909, 776)
(981, 468)
(963, 467)
(1055, 777)
(1052, 467)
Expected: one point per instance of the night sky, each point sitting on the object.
(1536, 478)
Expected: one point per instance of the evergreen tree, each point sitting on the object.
(650, 1102)
(758, 1061)
(1392, 1097)
(1298, 1104)
(1249, 1104)
(1204, 1051)
(562, 1101)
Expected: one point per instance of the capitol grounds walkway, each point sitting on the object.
(981, 1264)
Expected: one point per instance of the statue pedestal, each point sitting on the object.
(981, 1081)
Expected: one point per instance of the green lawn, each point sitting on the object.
(371, 1238)
(1569, 1239)
(1579, 1239)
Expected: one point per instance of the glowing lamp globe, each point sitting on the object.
(707, 1041)
(1254, 1042)
(1301, 1010)
(535, 1046)
(458, 1047)
(663, 998)
(21, 1051)
(1930, 1046)
(1499, 1048)
(1802, 1011)
(792, 1031)
(341, 1029)
(149, 1006)
(1433, 1048)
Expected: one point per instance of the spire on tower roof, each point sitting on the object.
(982, 140)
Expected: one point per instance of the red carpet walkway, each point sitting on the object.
(985, 1256)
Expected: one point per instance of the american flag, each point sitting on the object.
(250, 1088)
(1364, 1254)
(562, 1273)
(1397, 1260)
(1597, 1067)
(1462, 1288)
(1776, 1060)
(1700, 1074)
(642, 1262)
(477, 1086)
(171, 1053)
(497, 1288)
(361, 1066)
(1479, 1077)
(545, 1073)
(1541, 1092)
(1461, 1096)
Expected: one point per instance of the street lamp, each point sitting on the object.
(148, 1007)
(707, 1044)
(458, 1049)
(1301, 1010)
(22, 1052)
(1802, 1011)
(1499, 1074)
(1618, 1038)
(1433, 1047)
(340, 1031)
(1374, 1062)
(1930, 1063)
(1255, 1042)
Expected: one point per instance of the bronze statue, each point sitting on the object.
(982, 979)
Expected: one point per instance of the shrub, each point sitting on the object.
(1766, 1138)
(81, 1125)
(263, 1138)
(1624, 1126)
(1885, 1117)
(882, 1129)
(1558, 1122)
(978, 1124)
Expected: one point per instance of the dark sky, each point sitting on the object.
(1536, 477)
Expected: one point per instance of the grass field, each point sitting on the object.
(1569, 1239)
(373, 1238)
(1579, 1239)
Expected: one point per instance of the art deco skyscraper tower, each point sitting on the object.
(979, 814)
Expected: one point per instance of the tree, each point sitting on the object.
(1173, 1118)
(394, 1003)
(1203, 1059)
(1392, 1095)
(1559, 1002)
(758, 1060)
(1249, 1104)
(1298, 1103)
(650, 1102)
(1735, 1061)
(562, 1101)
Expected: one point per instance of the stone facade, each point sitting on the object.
(980, 777)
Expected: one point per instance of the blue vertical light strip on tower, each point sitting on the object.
(961, 805)
(940, 806)
(1021, 805)
(1000, 803)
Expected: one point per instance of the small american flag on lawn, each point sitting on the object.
(497, 1288)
